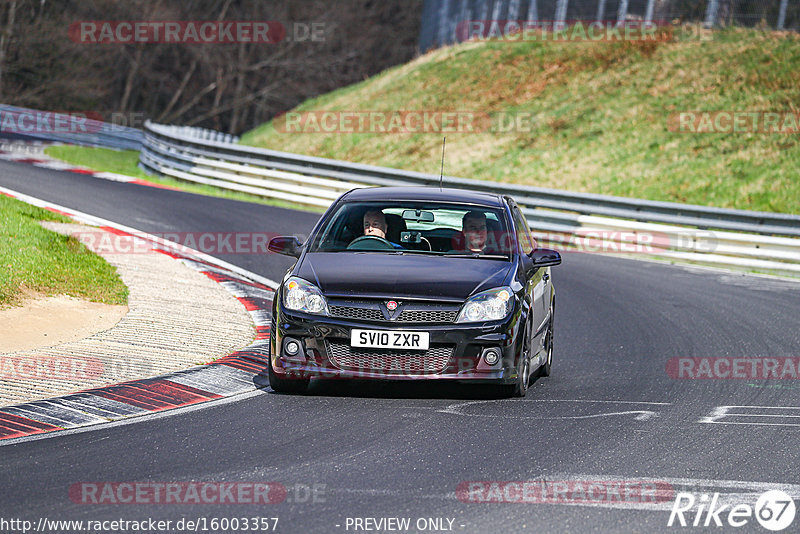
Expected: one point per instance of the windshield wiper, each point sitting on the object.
(478, 255)
(456, 255)
(414, 251)
(401, 252)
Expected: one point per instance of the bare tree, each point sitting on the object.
(5, 37)
(227, 86)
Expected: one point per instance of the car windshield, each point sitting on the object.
(409, 227)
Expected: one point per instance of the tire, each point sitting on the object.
(287, 385)
(546, 368)
(278, 384)
(520, 388)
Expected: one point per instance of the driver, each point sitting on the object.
(375, 224)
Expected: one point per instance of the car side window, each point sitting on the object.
(523, 231)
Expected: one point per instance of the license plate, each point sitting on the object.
(388, 339)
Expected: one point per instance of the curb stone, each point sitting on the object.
(231, 375)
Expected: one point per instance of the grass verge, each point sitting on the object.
(100, 159)
(33, 259)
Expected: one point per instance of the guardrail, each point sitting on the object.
(75, 129)
(595, 223)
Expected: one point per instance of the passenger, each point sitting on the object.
(473, 225)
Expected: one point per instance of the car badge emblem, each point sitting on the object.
(391, 305)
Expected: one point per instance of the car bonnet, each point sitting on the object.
(381, 275)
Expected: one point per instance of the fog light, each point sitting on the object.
(491, 356)
(291, 347)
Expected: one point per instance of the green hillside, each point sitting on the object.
(601, 114)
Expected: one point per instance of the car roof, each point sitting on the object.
(425, 194)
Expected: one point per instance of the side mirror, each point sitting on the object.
(286, 245)
(544, 257)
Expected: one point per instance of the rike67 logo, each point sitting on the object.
(774, 510)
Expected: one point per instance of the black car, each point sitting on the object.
(415, 283)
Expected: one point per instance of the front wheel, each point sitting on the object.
(546, 367)
(287, 385)
(520, 387)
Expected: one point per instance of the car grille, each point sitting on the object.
(427, 316)
(351, 312)
(411, 313)
(433, 360)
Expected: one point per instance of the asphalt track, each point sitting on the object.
(609, 412)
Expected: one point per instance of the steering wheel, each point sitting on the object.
(370, 242)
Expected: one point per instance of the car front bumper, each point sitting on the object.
(456, 350)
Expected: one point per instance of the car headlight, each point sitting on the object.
(300, 295)
(491, 305)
